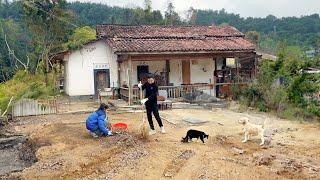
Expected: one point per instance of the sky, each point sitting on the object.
(246, 8)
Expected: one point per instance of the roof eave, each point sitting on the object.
(185, 52)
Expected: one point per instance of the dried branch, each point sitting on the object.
(28, 60)
(5, 112)
(11, 53)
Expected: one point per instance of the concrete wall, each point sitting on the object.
(202, 71)
(123, 73)
(154, 67)
(175, 74)
(66, 76)
(80, 65)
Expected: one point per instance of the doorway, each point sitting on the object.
(101, 80)
(141, 71)
(186, 72)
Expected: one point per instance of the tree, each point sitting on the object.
(157, 17)
(79, 37)
(12, 39)
(253, 36)
(48, 21)
(139, 16)
(147, 6)
(14, 49)
(191, 16)
(148, 18)
(171, 17)
(317, 46)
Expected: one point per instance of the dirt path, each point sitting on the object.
(71, 154)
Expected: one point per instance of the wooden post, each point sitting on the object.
(46, 70)
(119, 74)
(167, 72)
(237, 68)
(130, 80)
(255, 66)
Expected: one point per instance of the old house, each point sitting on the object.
(183, 58)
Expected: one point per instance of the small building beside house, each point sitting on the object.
(183, 58)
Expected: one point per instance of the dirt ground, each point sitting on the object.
(68, 152)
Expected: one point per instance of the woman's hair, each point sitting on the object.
(103, 107)
(150, 76)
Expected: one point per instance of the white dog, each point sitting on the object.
(251, 129)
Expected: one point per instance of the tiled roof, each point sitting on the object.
(156, 31)
(175, 45)
(125, 39)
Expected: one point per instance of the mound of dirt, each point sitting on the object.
(27, 151)
(123, 139)
(127, 158)
(221, 140)
(132, 150)
(289, 166)
(263, 159)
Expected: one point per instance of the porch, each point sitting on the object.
(179, 74)
(173, 92)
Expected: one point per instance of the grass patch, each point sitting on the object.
(25, 85)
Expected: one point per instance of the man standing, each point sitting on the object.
(151, 103)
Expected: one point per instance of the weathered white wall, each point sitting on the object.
(154, 67)
(80, 68)
(66, 72)
(123, 73)
(202, 71)
(175, 75)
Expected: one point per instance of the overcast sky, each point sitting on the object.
(253, 8)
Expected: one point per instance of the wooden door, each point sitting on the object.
(186, 72)
(102, 80)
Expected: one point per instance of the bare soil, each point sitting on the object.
(68, 152)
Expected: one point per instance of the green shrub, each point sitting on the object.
(275, 97)
(293, 98)
(314, 109)
(236, 91)
(252, 94)
(25, 85)
(296, 113)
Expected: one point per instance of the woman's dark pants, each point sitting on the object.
(153, 108)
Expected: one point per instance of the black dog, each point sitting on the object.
(194, 134)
